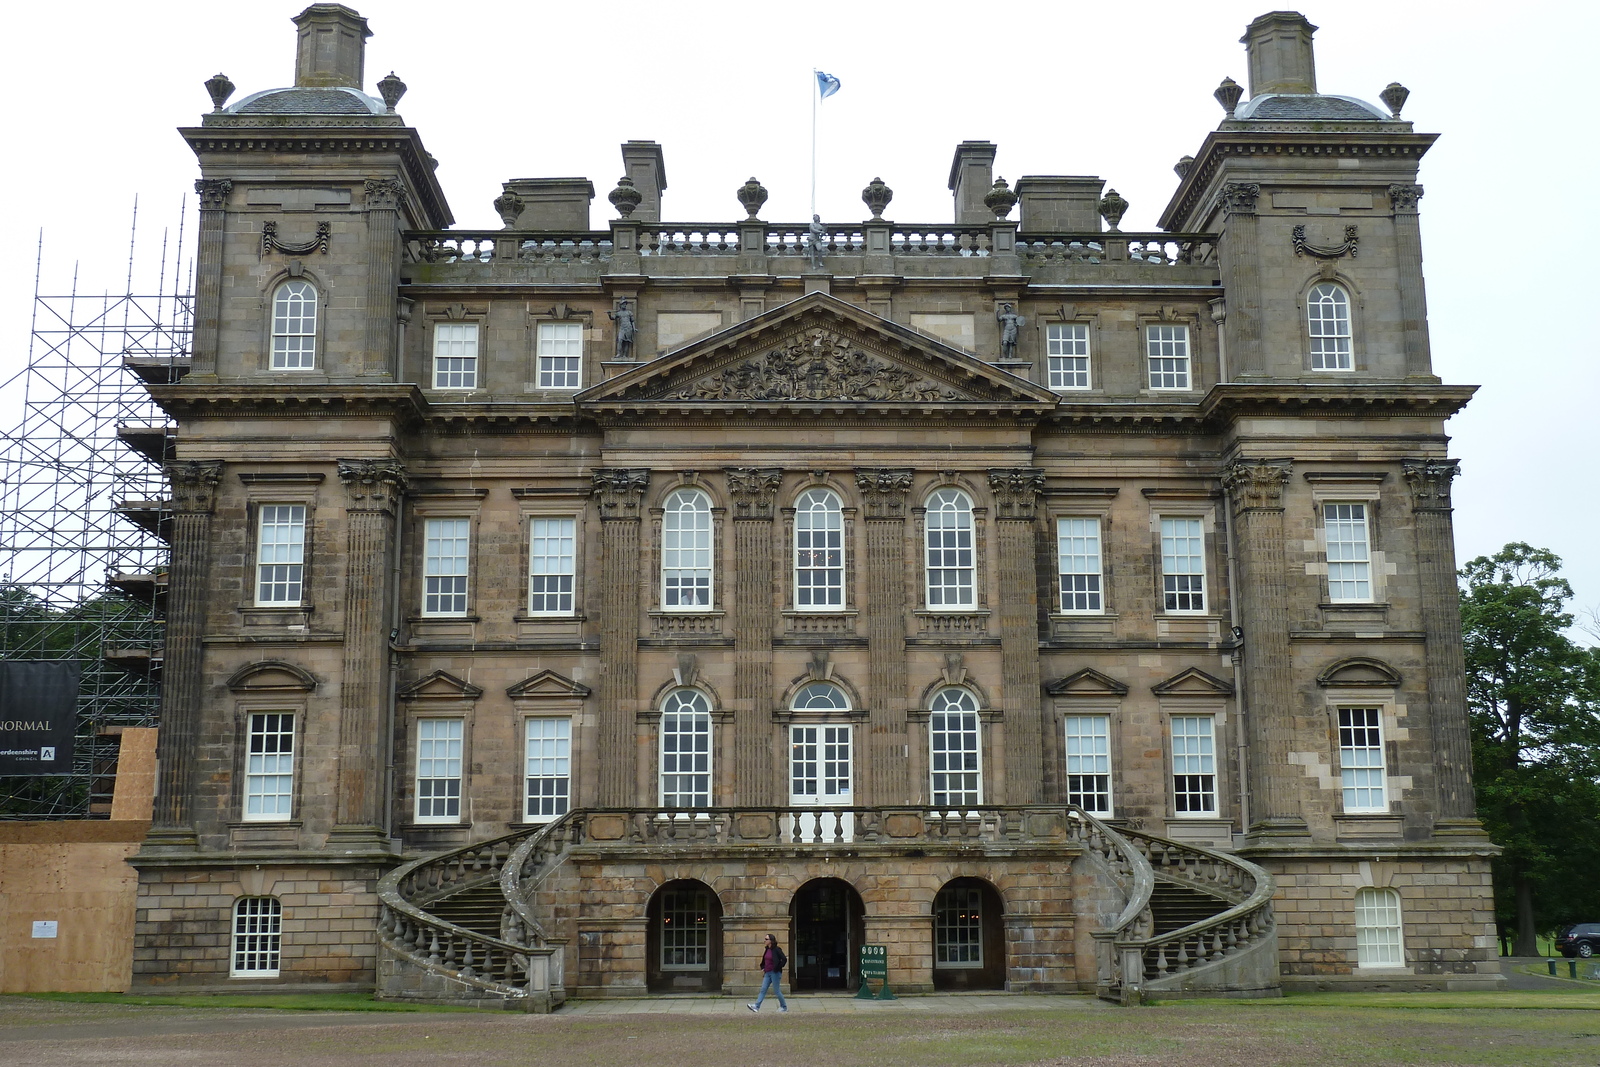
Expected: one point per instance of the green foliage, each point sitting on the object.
(1534, 701)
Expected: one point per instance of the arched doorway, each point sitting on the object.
(683, 942)
(969, 948)
(827, 927)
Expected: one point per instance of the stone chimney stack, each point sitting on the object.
(642, 161)
(971, 178)
(1281, 60)
(332, 46)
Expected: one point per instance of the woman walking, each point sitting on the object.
(772, 964)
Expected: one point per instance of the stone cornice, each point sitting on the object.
(404, 141)
(1181, 213)
(404, 403)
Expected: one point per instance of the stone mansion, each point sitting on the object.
(556, 610)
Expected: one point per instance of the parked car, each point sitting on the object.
(1582, 940)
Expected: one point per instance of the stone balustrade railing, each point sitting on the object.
(678, 239)
(1246, 925)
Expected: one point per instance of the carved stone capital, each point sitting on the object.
(620, 490)
(1239, 198)
(194, 485)
(384, 193)
(883, 490)
(1430, 480)
(1256, 484)
(754, 491)
(1405, 197)
(1016, 491)
(213, 192)
(372, 484)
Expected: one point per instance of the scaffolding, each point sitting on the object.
(85, 511)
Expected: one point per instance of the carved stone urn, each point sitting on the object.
(752, 194)
(391, 89)
(509, 208)
(877, 196)
(1112, 208)
(1183, 166)
(1394, 98)
(1228, 94)
(220, 89)
(1000, 199)
(625, 197)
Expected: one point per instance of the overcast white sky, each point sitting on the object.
(501, 90)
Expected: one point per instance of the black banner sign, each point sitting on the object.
(38, 715)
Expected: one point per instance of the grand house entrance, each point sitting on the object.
(829, 928)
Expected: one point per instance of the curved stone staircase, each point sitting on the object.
(464, 926)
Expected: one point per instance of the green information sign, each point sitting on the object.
(875, 968)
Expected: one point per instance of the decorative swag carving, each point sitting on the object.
(1302, 247)
(819, 365)
(270, 242)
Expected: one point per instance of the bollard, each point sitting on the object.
(1552, 964)
(1572, 966)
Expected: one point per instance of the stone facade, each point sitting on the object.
(1202, 408)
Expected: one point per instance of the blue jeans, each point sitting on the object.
(772, 980)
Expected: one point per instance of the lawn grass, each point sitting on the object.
(275, 1001)
(1579, 999)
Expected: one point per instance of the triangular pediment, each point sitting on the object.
(548, 683)
(1193, 682)
(440, 685)
(817, 352)
(1087, 682)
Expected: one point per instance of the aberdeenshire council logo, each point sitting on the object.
(47, 754)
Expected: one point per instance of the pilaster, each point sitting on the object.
(754, 494)
(194, 497)
(619, 492)
(883, 494)
(1016, 493)
(1413, 295)
(1255, 490)
(1241, 278)
(383, 201)
(373, 489)
(1444, 658)
(208, 274)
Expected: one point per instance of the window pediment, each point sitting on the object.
(440, 685)
(1193, 682)
(1359, 672)
(272, 676)
(547, 683)
(1087, 682)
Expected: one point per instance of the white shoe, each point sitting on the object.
(752, 1007)
(783, 1009)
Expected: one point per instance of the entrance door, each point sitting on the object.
(819, 776)
(828, 927)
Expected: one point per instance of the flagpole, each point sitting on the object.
(815, 92)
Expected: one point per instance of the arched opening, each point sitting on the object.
(969, 947)
(683, 941)
(827, 928)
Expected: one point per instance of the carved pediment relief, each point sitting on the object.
(1193, 682)
(1359, 672)
(818, 350)
(440, 686)
(548, 683)
(272, 676)
(1087, 682)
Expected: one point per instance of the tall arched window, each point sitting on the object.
(818, 551)
(1328, 320)
(955, 757)
(1378, 937)
(686, 551)
(294, 326)
(257, 937)
(686, 750)
(951, 568)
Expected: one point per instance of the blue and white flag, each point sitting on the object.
(827, 84)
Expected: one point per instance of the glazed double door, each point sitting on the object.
(821, 766)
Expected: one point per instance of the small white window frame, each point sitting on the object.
(439, 767)
(1379, 922)
(471, 364)
(693, 703)
(552, 760)
(289, 322)
(955, 560)
(459, 572)
(1178, 592)
(1362, 759)
(1066, 341)
(818, 531)
(1340, 515)
(964, 783)
(1194, 757)
(1170, 343)
(1330, 328)
(271, 770)
(553, 556)
(288, 553)
(255, 947)
(1073, 532)
(1091, 760)
(545, 343)
(678, 579)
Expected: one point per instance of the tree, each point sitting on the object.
(1534, 701)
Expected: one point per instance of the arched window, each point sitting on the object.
(294, 326)
(257, 937)
(1328, 319)
(955, 758)
(686, 551)
(686, 750)
(818, 551)
(821, 696)
(1378, 938)
(951, 569)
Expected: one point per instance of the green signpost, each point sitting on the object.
(875, 967)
